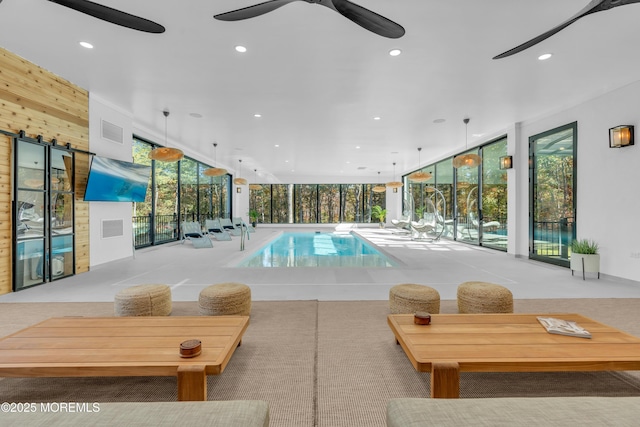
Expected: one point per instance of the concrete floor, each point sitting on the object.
(442, 265)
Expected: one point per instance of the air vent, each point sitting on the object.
(112, 132)
(112, 228)
(361, 168)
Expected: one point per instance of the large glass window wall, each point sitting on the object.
(178, 191)
(314, 203)
(473, 206)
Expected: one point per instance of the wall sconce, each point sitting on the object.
(621, 136)
(506, 162)
(238, 189)
(395, 190)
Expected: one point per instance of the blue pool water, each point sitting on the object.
(317, 250)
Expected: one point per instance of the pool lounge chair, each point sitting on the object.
(403, 223)
(192, 231)
(228, 225)
(239, 222)
(215, 229)
(420, 229)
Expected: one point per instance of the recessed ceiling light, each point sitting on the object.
(477, 135)
(86, 45)
(439, 120)
(357, 147)
(376, 118)
(257, 115)
(241, 49)
(545, 56)
(277, 145)
(395, 52)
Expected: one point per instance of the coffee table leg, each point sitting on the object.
(192, 383)
(445, 380)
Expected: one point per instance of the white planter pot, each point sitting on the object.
(587, 263)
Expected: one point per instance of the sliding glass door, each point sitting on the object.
(552, 194)
(43, 214)
(494, 196)
(467, 203)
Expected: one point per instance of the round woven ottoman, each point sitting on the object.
(482, 297)
(143, 300)
(409, 298)
(225, 299)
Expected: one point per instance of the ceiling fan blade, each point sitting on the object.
(367, 19)
(112, 15)
(252, 11)
(592, 7)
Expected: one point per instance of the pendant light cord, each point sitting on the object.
(166, 115)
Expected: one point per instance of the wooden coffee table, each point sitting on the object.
(455, 343)
(124, 346)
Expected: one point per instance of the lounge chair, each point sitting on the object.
(421, 229)
(239, 222)
(215, 229)
(228, 225)
(192, 231)
(404, 222)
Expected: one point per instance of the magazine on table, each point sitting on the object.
(563, 327)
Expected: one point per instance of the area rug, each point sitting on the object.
(329, 364)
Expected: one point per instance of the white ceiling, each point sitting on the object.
(318, 79)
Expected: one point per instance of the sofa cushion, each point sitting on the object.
(515, 411)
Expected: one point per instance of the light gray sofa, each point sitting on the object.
(234, 413)
(515, 411)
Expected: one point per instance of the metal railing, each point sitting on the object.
(552, 238)
(148, 230)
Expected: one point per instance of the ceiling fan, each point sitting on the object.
(365, 18)
(593, 7)
(111, 15)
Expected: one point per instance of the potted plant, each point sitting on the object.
(378, 213)
(585, 257)
(253, 217)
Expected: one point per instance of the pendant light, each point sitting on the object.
(394, 183)
(469, 160)
(214, 171)
(166, 154)
(379, 188)
(255, 186)
(420, 176)
(239, 180)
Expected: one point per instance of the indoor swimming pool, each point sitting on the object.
(316, 249)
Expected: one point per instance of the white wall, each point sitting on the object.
(607, 198)
(112, 248)
(240, 201)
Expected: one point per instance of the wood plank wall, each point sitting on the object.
(40, 103)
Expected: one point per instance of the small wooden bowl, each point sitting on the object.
(422, 318)
(190, 348)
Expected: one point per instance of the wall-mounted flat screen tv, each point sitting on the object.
(113, 180)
